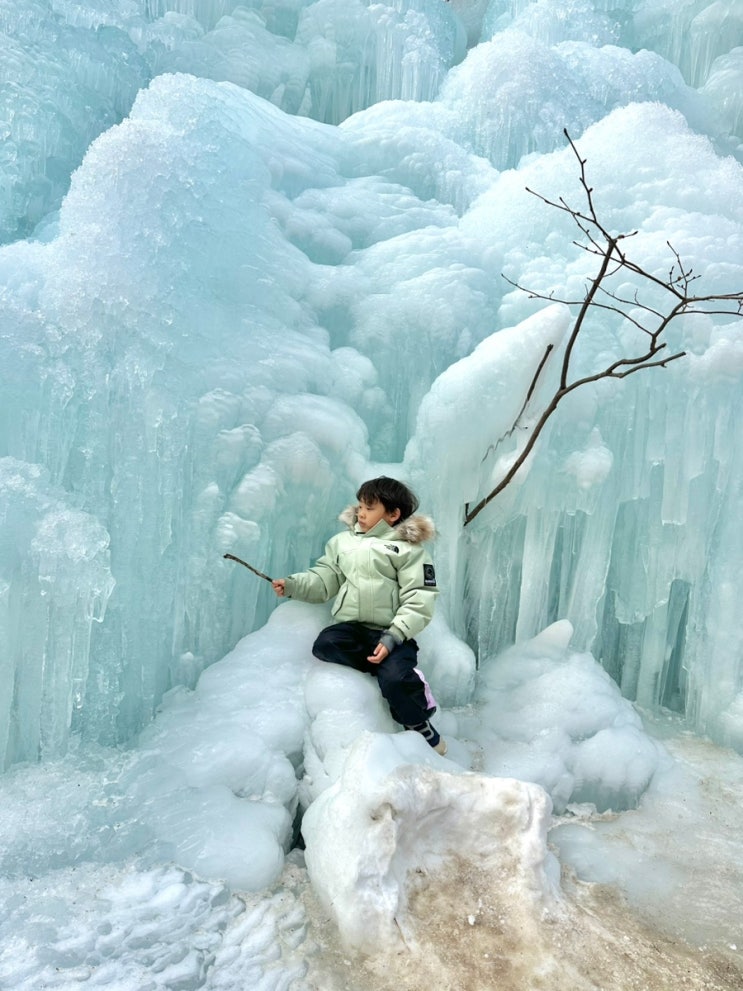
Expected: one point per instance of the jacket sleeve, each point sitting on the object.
(418, 591)
(320, 582)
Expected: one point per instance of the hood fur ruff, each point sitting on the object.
(416, 529)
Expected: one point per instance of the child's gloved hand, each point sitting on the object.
(278, 585)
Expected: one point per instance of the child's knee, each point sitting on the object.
(323, 642)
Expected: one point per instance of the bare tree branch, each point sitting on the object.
(651, 319)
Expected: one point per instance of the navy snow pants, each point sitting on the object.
(401, 684)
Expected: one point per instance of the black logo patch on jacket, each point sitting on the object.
(391, 547)
(429, 576)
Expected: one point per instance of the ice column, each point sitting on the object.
(55, 582)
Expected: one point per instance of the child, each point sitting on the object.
(385, 588)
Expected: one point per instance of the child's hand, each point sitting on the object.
(278, 587)
(380, 653)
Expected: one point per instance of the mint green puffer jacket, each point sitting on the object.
(383, 578)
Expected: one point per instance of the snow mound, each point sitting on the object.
(550, 714)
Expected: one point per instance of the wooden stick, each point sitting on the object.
(231, 557)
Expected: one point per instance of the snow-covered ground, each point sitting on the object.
(418, 870)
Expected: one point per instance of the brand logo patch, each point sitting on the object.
(391, 547)
(429, 576)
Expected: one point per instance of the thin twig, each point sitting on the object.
(231, 557)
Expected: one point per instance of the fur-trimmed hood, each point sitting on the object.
(416, 529)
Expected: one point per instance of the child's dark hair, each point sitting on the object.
(391, 493)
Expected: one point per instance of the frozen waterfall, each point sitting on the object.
(253, 252)
(235, 311)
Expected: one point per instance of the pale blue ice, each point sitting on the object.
(252, 253)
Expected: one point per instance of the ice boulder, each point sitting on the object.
(404, 841)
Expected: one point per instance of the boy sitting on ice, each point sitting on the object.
(385, 589)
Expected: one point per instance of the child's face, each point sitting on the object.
(368, 514)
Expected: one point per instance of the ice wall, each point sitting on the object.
(157, 434)
(236, 312)
(643, 470)
(62, 85)
(55, 584)
(71, 70)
